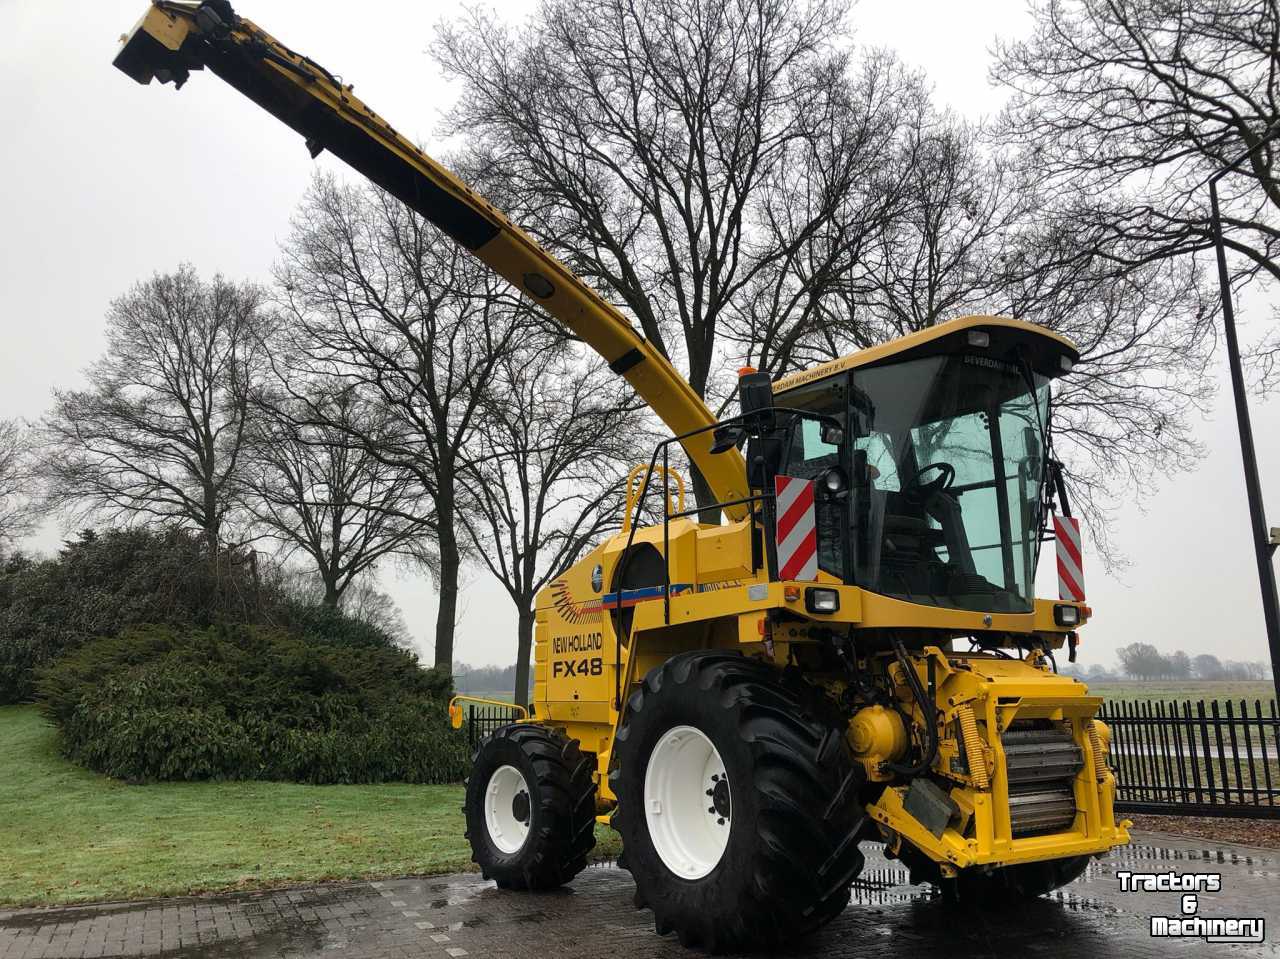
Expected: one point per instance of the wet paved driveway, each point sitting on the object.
(454, 916)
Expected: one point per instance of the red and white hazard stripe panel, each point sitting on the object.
(797, 529)
(1066, 529)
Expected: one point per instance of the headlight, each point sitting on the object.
(821, 600)
(1065, 615)
(833, 480)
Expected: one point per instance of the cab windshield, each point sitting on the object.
(944, 456)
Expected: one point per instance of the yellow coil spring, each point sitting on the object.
(973, 747)
(1095, 747)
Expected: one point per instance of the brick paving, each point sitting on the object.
(448, 917)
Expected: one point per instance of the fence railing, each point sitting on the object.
(1220, 758)
(482, 720)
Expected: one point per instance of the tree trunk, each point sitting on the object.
(211, 521)
(524, 646)
(331, 594)
(450, 564)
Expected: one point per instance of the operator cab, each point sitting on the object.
(933, 490)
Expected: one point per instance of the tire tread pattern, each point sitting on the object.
(564, 793)
(805, 852)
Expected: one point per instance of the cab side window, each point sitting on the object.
(880, 457)
(809, 457)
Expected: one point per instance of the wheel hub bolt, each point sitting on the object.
(720, 799)
(520, 807)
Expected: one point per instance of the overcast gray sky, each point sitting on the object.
(103, 182)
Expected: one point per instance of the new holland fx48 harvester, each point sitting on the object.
(854, 654)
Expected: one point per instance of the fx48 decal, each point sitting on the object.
(577, 667)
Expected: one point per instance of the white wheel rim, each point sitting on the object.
(506, 831)
(687, 803)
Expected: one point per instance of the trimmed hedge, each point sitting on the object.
(245, 702)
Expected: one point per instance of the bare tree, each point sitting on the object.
(380, 302)
(365, 603)
(546, 479)
(312, 485)
(362, 601)
(678, 155)
(861, 166)
(160, 430)
(17, 515)
(1133, 105)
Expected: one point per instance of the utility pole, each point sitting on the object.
(1264, 540)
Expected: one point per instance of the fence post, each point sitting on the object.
(1191, 744)
(1208, 753)
(1170, 786)
(1235, 751)
(1267, 756)
(1248, 749)
(1222, 750)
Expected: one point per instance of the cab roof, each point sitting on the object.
(1010, 340)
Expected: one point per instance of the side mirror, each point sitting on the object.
(726, 438)
(831, 434)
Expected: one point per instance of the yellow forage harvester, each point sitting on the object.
(854, 654)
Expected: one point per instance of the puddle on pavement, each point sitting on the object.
(890, 885)
(1150, 853)
(881, 887)
(35, 918)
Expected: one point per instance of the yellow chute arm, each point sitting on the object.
(174, 38)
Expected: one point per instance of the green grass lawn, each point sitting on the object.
(1167, 690)
(69, 835)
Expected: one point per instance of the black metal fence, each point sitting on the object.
(481, 720)
(1220, 758)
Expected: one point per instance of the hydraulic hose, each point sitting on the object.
(927, 710)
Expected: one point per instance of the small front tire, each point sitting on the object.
(530, 807)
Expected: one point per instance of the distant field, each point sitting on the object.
(1171, 690)
(501, 695)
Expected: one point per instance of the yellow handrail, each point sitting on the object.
(633, 490)
(455, 709)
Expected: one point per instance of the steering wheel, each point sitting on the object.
(918, 492)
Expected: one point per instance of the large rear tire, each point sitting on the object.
(738, 803)
(530, 807)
